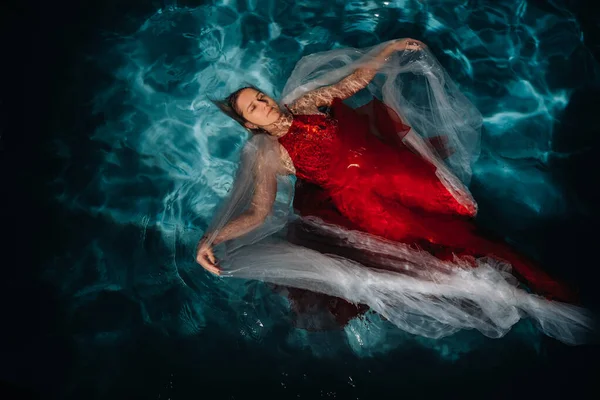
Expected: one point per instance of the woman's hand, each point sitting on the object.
(408, 44)
(206, 258)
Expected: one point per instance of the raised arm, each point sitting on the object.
(357, 80)
(263, 198)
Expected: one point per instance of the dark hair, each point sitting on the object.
(229, 107)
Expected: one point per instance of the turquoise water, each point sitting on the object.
(137, 178)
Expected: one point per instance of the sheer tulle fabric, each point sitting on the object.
(414, 290)
(417, 88)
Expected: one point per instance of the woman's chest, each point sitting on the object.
(310, 139)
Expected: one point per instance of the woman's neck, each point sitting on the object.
(280, 127)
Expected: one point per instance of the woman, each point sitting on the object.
(364, 169)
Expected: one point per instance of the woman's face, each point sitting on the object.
(257, 108)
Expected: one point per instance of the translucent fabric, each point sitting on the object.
(411, 288)
(418, 89)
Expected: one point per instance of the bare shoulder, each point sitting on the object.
(272, 159)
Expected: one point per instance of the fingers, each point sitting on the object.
(209, 265)
(211, 256)
(214, 262)
(409, 44)
(414, 44)
(213, 270)
(206, 258)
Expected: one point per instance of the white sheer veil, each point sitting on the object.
(414, 290)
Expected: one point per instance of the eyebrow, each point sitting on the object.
(256, 97)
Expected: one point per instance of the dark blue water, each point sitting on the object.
(118, 162)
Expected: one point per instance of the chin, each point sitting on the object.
(274, 116)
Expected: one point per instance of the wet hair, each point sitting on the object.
(230, 108)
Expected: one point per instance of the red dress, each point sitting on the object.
(351, 177)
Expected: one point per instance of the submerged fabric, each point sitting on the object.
(422, 294)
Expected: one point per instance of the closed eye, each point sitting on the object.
(260, 97)
(251, 107)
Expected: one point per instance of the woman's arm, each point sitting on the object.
(260, 207)
(357, 80)
(263, 198)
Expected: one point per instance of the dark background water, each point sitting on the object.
(42, 98)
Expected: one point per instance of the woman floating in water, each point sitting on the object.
(382, 144)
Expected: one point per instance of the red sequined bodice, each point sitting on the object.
(311, 142)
